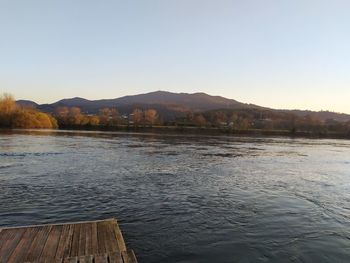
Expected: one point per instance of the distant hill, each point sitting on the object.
(171, 105)
(178, 101)
(27, 103)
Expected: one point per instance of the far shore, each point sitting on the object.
(206, 131)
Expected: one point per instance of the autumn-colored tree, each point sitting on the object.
(104, 116)
(7, 108)
(14, 116)
(151, 116)
(244, 124)
(137, 117)
(61, 114)
(7, 104)
(188, 119)
(116, 119)
(199, 120)
(75, 117)
(85, 121)
(94, 121)
(220, 118)
(109, 117)
(26, 118)
(53, 121)
(233, 118)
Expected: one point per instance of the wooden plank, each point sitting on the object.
(71, 260)
(94, 238)
(51, 245)
(86, 259)
(75, 243)
(101, 237)
(38, 243)
(7, 248)
(115, 257)
(3, 236)
(20, 253)
(112, 243)
(119, 236)
(101, 258)
(109, 239)
(88, 236)
(129, 256)
(82, 240)
(65, 242)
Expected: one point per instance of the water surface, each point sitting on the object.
(186, 198)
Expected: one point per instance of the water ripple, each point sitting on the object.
(186, 198)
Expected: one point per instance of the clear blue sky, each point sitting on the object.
(277, 53)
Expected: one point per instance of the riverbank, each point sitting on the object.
(176, 130)
(214, 131)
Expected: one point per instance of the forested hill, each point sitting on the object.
(173, 105)
(177, 102)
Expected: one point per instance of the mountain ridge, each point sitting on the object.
(172, 105)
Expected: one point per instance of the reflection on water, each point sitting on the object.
(186, 198)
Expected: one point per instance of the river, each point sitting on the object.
(186, 198)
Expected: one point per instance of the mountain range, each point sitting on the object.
(171, 105)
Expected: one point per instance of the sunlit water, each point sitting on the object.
(186, 198)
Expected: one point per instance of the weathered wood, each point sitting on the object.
(75, 242)
(112, 240)
(86, 259)
(50, 248)
(94, 242)
(83, 242)
(115, 257)
(2, 236)
(101, 239)
(66, 237)
(101, 258)
(107, 238)
(38, 243)
(88, 239)
(129, 256)
(119, 236)
(24, 244)
(71, 260)
(9, 245)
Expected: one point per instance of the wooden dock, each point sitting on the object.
(83, 242)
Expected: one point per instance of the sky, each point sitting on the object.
(287, 54)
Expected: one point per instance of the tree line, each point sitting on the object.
(263, 119)
(13, 115)
(106, 117)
